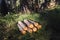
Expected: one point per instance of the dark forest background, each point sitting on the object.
(46, 12)
(16, 6)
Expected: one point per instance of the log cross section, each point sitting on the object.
(33, 22)
(28, 24)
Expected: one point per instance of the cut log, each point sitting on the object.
(21, 30)
(28, 24)
(29, 30)
(39, 26)
(22, 25)
(34, 29)
(36, 24)
(33, 22)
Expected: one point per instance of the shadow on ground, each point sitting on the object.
(53, 22)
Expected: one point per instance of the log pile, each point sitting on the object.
(28, 26)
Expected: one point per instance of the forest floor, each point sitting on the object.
(10, 31)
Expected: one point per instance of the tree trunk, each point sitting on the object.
(4, 9)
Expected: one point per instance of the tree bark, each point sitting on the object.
(22, 25)
(21, 30)
(28, 24)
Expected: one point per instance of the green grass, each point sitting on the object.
(10, 30)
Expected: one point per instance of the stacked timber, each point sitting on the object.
(21, 30)
(29, 30)
(34, 29)
(36, 24)
(28, 26)
(22, 25)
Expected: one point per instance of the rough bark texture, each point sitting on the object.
(28, 24)
(27, 6)
(22, 25)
